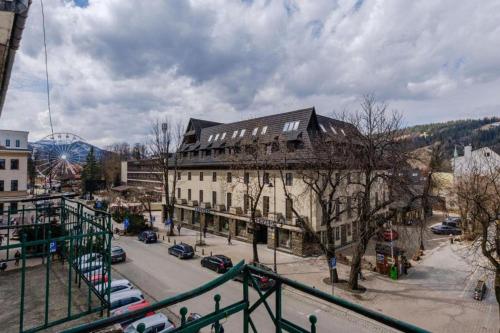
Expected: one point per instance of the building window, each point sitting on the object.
(201, 176)
(189, 194)
(246, 178)
(242, 133)
(14, 185)
(18, 143)
(182, 214)
(349, 208)
(289, 205)
(223, 136)
(229, 201)
(337, 233)
(13, 207)
(246, 203)
(216, 137)
(214, 198)
(189, 175)
(201, 196)
(349, 229)
(14, 164)
(2, 164)
(235, 133)
(214, 176)
(1, 208)
(210, 138)
(265, 177)
(289, 179)
(264, 130)
(229, 177)
(2, 187)
(7, 143)
(179, 176)
(178, 193)
(291, 126)
(255, 131)
(265, 206)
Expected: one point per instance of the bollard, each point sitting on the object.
(174, 242)
(183, 312)
(210, 253)
(313, 320)
(202, 252)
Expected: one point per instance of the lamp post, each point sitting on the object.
(275, 225)
(164, 128)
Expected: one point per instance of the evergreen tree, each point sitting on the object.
(90, 172)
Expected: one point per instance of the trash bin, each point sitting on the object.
(393, 273)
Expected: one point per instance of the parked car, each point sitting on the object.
(480, 290)
(117, 254)
(182, 251)
(263, 281)
(86, 259)
(116, 286)
(94, 271)
(445, 230)
(132, 308)
(390, 235)
(157, 323)
(147, 236)
(119, 301)
(452, 222)
(193, 316)
(218, 263)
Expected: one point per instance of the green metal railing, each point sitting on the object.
(60, 232)
(244, 305)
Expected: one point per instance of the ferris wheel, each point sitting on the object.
(60, 155)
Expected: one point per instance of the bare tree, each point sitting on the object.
(166, 138)
(252, 162)
(478, 190)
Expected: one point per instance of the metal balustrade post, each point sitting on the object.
(278, 306)
(246, 314)
(313, 320)
(23, 281)
(47, 278)
(183, 313)
(217, 308)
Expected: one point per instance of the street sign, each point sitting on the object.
(168, 221)
(333, 262)
(126, 223)
(52, 247)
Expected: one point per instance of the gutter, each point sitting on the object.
(15, 41)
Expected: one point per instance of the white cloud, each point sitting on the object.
(116, 65)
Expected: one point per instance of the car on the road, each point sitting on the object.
(182, 251)
(117, 254)
(390, 235)
(219, 263)
(264, 282)
(157, 323)
(147, 236)
(480, 290)
(116, 286)
(445, 230)
(120, 301)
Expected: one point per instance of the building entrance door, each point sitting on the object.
(261, 234)
(343, 234)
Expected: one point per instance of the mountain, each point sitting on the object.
(457, 133)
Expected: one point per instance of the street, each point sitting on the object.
(160, 275)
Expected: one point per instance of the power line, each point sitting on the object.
(46, 70)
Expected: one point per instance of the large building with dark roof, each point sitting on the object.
(212, 183)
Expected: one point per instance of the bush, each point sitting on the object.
(136, 224)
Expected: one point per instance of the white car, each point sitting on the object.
(116, 286)
(157, 323)
(86, 259)
(123, 299)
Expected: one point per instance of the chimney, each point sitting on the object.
(468, 151)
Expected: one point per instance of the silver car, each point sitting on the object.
(116, 286)
(157, 323)
(125, 298)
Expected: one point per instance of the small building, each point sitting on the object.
(14, 156)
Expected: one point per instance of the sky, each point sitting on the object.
(116, 66)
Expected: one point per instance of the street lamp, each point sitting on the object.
(275, 225)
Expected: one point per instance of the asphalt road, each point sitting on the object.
(160, 275)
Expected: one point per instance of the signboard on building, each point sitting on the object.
(203, 210)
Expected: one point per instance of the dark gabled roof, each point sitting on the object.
(199, 124)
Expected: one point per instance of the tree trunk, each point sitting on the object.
(334, 275)
(356, 266)
(254, 241)
(497, 286)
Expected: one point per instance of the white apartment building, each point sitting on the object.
(14, 156)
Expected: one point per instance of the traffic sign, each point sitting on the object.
(52, 247)
(168, 221)
(125, 223)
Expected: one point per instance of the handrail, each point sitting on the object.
(102, 323)
(378, 317)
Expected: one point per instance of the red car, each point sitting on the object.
(131, 308)
(390, 235)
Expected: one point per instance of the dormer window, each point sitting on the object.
(210, 138)
(235, 133)
(333, 129)
(322, 128)
(242, 133)
(216, 137)
(264, 130)
(291, 126)
(342, 130)
(255, 131)
(223, 136)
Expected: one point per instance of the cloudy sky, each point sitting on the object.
(115, 65)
